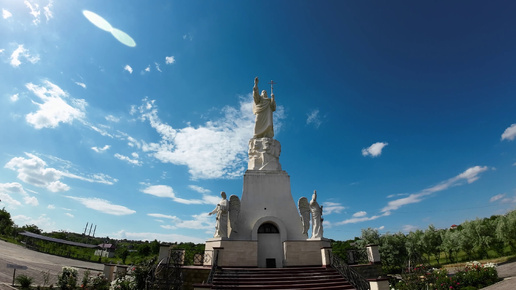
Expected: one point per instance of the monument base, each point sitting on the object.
(239, 253)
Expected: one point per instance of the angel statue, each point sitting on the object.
(317, 227)
(221, 226)
(304, 210)
(234, 211)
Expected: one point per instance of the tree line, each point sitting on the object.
(476, 239)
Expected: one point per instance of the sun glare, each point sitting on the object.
(102, 23)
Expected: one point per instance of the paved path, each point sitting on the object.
(508, 273)
(37, 263)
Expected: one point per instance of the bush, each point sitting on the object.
(67, 280)
(477, 275)
(473, 276)
(25, 281)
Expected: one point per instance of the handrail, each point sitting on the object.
(355, 279)
(214, 266)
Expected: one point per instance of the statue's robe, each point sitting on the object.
(263, 108)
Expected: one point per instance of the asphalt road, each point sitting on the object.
(37, 263)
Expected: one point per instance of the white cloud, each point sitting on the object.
(359, 214)
(14, 98)
(35, 11)
(51, 206)
(8, 189)
(374, 150)
(199, 189)
(100, 150)
(54, 109)
(83, 85)
(217, 149)
(6, 14)
(34, 171)
(332, 207)
(497, 197)
(103, 206)
(199, 222)
(187, 36)
(69, 215)
(314, 118)
(361, 218)
(128, 68)
(170, 60)
(43, 222)
(147, 236)
(157, 67)
(21, 52)
(168, 192)
(509, 133)
(409, 228)
(128, 159)
(112, 118)
(147, 69)
(470, 175)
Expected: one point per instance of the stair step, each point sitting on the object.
(306, 278)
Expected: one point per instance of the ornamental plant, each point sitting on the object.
(473, 276)
(67, 280)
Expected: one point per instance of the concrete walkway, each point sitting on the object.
(508, 273)
(38, 265)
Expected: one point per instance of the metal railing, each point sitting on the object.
(357, 257)
(359, 282)
(214, 266)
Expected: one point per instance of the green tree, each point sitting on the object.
(6, 223)
(414, 247)
(506, 229)
(450, 244)
(431, 243)
(393, 252)
(31, 228)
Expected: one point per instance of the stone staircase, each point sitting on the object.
(309, 278)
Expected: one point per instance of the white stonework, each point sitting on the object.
(265, 227)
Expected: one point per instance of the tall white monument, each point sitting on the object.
(264, 228)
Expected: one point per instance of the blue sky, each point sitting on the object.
(133, 116)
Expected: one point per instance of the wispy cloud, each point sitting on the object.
(199, 189)
(374, 150)
(6, 14)
(497, 197)
(170, 60)
(167, 192)
(157, 67)
(35, 10)
(54, 109)
(313, 118)
(361, 217)
(470, 176)
(332, 207)
(198, 222)
(100, 150)
(103, 206)
(33, 170)
(14, 98)
(128, 159)
(22, 52)
(112, 118)
(409, 228)
(509, 133)
(128, 68)
(83, 85)
(217, 149)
